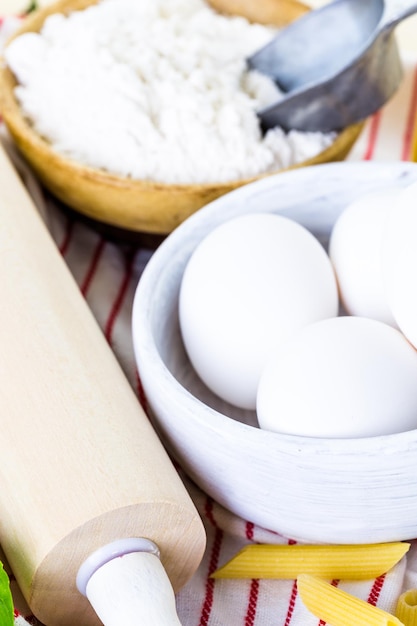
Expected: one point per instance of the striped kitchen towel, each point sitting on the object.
(107, 274)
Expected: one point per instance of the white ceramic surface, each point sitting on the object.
(336, 491)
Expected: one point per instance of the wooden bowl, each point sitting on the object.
(137, 205)
(310, 489)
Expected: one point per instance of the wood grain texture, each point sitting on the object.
(80, 464)
(132, 204)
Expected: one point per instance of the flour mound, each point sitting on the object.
(154, 90)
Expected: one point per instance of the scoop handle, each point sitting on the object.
(395, 11)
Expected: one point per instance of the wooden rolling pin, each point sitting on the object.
(80, 465)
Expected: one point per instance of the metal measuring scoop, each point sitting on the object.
(336, 65)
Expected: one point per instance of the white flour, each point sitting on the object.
(154, 89)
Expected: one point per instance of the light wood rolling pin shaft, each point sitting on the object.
(80, 465)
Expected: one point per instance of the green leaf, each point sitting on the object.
(6, 601)
(32, 7)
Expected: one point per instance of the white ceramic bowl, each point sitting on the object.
(336, 491)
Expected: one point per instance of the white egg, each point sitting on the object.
(250, 285)
(399, 262)
(345, 377)
(355, 251)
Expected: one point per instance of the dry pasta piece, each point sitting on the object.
(354, 562)
(339, 608)
(406, 610)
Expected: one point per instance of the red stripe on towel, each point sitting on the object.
(293, 596)
(376, 590)
(374, 126)
(141, 394)
(252, 603)
(93, 267)
(63, 247)
(254, 585)
(411, 121)
(213, 564)
(117, 305)
(209, 511)
(291, 604)
(250, 527)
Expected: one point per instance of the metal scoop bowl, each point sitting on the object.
(336, 65)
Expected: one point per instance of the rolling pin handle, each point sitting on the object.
(126, 583)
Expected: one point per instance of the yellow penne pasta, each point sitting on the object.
(354, 562)
(339, 608)
(406, 610)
